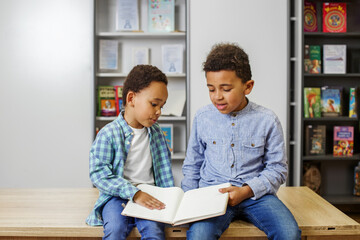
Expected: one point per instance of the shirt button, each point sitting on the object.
(253, 145)
(234, 114)
(232, 165)
(232, 145)
(233, 124)
(214, 142)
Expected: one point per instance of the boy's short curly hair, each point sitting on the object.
(140, 77)
(228, 56)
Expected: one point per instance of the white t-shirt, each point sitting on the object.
(138, 165)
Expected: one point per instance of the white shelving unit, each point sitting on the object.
(105, 21)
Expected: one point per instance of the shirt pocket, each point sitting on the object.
(215, 150)
(253, 149)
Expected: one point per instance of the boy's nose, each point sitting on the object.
(158, 112)
(218, 95)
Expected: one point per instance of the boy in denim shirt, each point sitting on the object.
(237, 141)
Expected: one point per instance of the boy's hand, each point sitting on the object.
(148, 201)
(237, 194)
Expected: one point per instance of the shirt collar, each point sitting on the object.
(242, 111)
(125, 126)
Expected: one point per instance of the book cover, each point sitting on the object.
(118, 99)
(334, 58)
(312, 59)
(343, 140)
(108, 54)
(161, 15)
(331, 101)
(315, 138)
(140, 55)
(127, 15)
(310, 17)
(312, 102)
(168, 131)
(334, 17)
(181, 208)
(353, 103)
(106, 101)
(172, 58)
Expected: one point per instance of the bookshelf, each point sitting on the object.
(337, 173)
(105, 29)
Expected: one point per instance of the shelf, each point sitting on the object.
(342, 199)
(162, 118)
(169, 75)
(141, 34)
(330, 157)
(178, 156)
(323, 75)
(331, 119)
(332, 35)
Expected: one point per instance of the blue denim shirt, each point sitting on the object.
(245, 147)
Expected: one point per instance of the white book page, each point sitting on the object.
(202, 202)
(170, 196)
(108, 56)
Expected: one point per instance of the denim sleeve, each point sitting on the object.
(275, 172)
(194, 159)
(101, 170)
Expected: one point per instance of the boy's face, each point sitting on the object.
(146, 105)
(227, 91)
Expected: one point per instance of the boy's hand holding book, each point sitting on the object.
(148, 201)
(237, 194)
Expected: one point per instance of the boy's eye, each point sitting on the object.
(211, 90)
(153, 104)
(227, 90)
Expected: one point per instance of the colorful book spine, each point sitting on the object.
(315, 59)
(334, 17)
(312, 102)
(353, 103)
(118, 99)
(310, 17)
(343, 141)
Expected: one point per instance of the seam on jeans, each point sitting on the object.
(231, 217)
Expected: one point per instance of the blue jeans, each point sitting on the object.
(118, 227)
(268, 213)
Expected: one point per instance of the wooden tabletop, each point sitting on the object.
(62, 213)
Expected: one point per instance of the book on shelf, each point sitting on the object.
(334, 17)
(310, 17)
(353, 102)
(168, 131)
(312, 102)
(140, 55)
(343, 141)
(172, 58)
(315, 140)
(118, 99)
(312, 59)
(127, 15)
(334, 58)
(312, 176)
(331, 101)
(108, 54)
(161, 15)
(106, 101)
(181, 208)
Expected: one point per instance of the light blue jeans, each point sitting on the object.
(267, 213)
(118, 227)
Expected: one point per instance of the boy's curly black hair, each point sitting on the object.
(228, 56)
(140, 77)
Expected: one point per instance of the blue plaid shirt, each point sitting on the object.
(245, 147)
(107, 159)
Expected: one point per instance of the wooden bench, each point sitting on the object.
(54, 214)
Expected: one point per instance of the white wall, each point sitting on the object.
(46, 92)
(260, 28)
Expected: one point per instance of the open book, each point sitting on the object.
(181, 208)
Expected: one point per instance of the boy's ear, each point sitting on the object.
(249, 86)
(130, 98)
